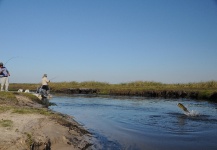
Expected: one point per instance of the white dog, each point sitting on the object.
(20, 90)
(27, 91)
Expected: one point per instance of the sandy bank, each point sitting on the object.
(25, 125)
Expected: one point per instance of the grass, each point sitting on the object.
(137, 84)
(205, 89)
(24, 110)
(6, 123)
(5, 108)
(8, 102)
(24, 86)
(7, 97)
(29, 139)
(31, 111)
(10, 97)
(30, 96)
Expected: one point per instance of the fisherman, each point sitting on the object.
(4, 74)
(44, 83)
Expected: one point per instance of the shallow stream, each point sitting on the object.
(138, 123)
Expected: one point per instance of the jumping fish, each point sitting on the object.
(183, 107)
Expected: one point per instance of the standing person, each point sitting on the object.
(4, 74)
(45, 82)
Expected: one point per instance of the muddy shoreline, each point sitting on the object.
(26, 124)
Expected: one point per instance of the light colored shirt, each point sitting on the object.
(4, 72)
(44, 81)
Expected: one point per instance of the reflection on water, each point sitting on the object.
(143, 123)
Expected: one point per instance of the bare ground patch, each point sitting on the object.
(39, 130)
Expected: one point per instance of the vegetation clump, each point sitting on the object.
(6, 123)
(7, 97)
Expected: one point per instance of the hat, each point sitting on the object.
(1, 64)
(45, 75)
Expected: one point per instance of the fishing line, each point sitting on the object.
(10, 59)
(53, 78)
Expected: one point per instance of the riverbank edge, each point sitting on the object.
(37, 136)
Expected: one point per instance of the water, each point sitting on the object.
(135, 123)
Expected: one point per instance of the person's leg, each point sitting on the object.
(44, 90)
(6, 83)
(45, 87)
(48, 90)
(2, 83)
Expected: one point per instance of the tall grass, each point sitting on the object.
(137, 86)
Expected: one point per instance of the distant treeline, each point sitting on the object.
(199, 90)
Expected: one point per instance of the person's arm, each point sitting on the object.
(47, 80)
(1, 74)
(2, 71)
(8, 73)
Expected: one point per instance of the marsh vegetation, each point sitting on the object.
(199, 90)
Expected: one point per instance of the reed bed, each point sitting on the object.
(205, 89)
(137, 85)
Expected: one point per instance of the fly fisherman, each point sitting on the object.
(4, 74)
(44, 83)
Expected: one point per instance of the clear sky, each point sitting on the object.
(114, 41)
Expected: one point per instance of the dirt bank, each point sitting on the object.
(26, 124)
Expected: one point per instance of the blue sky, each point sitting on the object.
(115, 41)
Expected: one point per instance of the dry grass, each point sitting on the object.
(205, 89)
(6, 123)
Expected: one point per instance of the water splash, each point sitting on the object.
(192, 113)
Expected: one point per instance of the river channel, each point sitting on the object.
(138, 123)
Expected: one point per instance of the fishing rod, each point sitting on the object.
(53, 78)
(6, 63)
(10, 59)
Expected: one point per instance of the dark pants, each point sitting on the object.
(45, 87)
